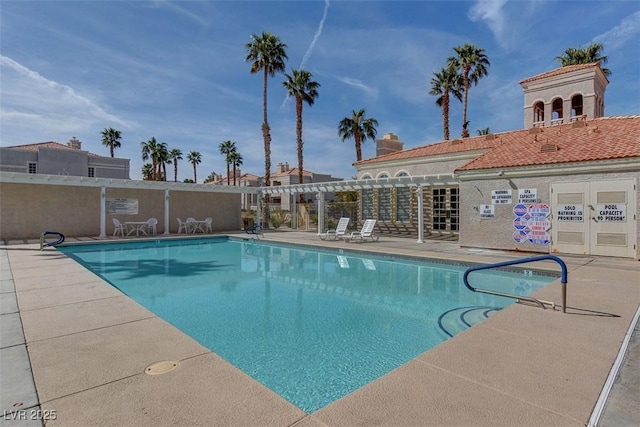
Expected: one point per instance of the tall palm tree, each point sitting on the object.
(174, 155)
(587, 55)
(445, 83)
(149, 152)
(236, 161)
(473, 63)
(194, 158)
(303, 89)
(268, 54)
(226, 148)
(162, 158)
(111, 138)
(358, 128)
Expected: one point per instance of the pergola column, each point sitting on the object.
(103, 212)
(320, 198)
(166, 212)
(420, 214)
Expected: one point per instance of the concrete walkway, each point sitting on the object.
(87, 350)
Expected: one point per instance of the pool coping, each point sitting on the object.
(567, 366)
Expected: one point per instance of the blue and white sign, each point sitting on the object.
(520, 210)
(520, 236)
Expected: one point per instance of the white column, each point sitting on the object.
(320, 198)
(294, 211)
(166, 212)
(258, 209)
(103, 212)
(420, 214)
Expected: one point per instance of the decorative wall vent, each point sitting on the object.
(456, 141)
(490, 137)
(535, 130)
(593, 129)
(548, 147)
(579, 123)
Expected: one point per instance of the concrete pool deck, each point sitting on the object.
(78, 348)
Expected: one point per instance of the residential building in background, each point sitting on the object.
(54, 158)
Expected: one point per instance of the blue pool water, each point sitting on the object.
(312, 325)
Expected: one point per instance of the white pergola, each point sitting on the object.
(416, 182)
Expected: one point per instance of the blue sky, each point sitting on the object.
(176, 70)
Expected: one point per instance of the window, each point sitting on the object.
(576, 106)
(92, 172)
(32, 167)
(538, 112)
(556, 110)
(367, 204)
(454, 205)
(403, 204)
(439, 208)
(384, 204)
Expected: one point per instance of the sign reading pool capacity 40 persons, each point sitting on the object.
(531, 223)
(615, 212)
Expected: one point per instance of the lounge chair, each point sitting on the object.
(208, 221)
(365, 233)
(338, 232)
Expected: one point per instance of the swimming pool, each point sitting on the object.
(312, 325)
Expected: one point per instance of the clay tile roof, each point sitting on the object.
(444, 147)
(34, 147)
(48, 144)
(560, 71)
(604, 138)
(292, 171)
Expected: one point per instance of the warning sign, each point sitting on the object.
(501, 197)
(487, 211)
(531, 223)
(570, 213)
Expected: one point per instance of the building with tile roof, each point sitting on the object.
(567, 182)
(53, 158)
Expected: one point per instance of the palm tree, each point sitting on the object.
(147, 172)
(162, 158)
(588, 55)
(302, 88)
(236, 161)
(149, 152)
(445, 83)
(194, 158)
(484, 131)
(111, 138)
(473, 63)
(358, 128)
(226, 148)
(174, 155)
(268, 54)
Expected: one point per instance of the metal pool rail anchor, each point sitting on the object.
(57, 242)
(563, 266)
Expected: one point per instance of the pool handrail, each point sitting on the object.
(563, 267)
(44, 244)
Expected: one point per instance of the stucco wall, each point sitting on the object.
(26, 210)
(497, 233)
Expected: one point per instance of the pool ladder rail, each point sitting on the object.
(44, 244)
(541, 303)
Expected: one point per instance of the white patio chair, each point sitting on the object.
(208, 228)
(365, 233)
(192, 225)
(151, 226)
(338, 232)
(118, 228)
(182, 226)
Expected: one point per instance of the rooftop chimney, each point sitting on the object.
(74, 143)
(388, 144)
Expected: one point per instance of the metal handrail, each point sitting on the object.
(563, 279)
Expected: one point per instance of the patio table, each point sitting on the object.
(137, 226)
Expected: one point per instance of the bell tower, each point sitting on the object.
(564, 95)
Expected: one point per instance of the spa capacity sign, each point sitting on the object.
(531, 223)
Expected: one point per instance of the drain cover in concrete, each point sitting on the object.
(160, 368)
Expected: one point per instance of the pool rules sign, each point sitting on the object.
(531, 223)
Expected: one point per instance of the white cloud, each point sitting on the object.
(491, 12)
(627, 30)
